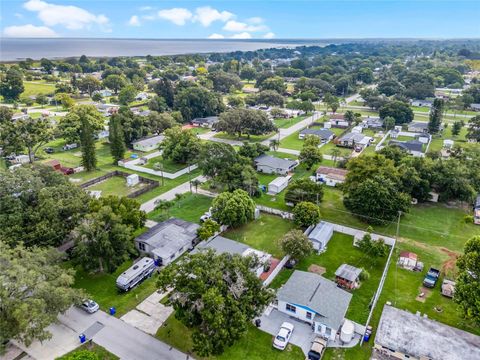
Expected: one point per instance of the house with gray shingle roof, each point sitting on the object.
(311, 298)
(324, 135)
(413, 147)
(273, 165)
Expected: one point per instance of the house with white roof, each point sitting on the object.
(319, 235)
(148, 144)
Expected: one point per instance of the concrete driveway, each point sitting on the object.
(302, 336)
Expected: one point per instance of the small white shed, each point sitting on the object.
(132, 180)
(448, 144)
(278, 184)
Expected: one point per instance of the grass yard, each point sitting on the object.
(262, 234)
(98, 350)
(286, 123)
(116, 185)
(292, 142)
(102, 289)
(252, 138)
(168, 165)
(35, 88)
(254, 345)
(282, 155)
(200, 130)
(188, 208)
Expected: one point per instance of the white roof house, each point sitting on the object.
(319, 235)
(278, 184)
(273, 165)
(148, 144)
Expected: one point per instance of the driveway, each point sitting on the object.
(116, 336)
(302, 336)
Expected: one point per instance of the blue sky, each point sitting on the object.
(241, 19)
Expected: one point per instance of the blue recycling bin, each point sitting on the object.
(82, 338)
(366, 337)
(113, 311)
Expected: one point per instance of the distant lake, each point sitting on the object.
(18, 49)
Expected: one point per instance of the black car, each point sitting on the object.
(48, 150)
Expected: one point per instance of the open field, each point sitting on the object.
(116, 185)
(286, 123)
(36, 88)
(168, 165)
(189, 208)
(251, 138)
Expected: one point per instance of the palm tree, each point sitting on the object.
(335, 154)
(274, 144)
(196, 183)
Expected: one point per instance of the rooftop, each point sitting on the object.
(411, 145)
(421, 337)
(322, 133)
(274, 162)
(320, 231)
(348, 272)
(329, 302)
(149, 141)
(222, 245)
(333, 172)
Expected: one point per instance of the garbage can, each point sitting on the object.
(366, 337)
(82, 338)
(113, 311)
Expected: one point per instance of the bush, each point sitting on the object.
(364, 275)
(468, 219)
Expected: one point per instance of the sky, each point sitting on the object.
(247, 19)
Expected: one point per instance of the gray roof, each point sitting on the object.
(206, 120)
(318, 294)
(477, 202)
(348, 272)
(421, 337)
(149, 141)
(169, 236)
(222, 245)
(418, 125)
(321, 133)
(274, 162)
(411, 145)
(321, 232)
(352, 137)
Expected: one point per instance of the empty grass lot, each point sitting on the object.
(101, 352)
(251, 138)
(189, 208)
(168, 165)
(116, 185)
(254, 345)
(286, 123)
(36, 88)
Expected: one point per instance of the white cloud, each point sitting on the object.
(72, 17)
(18, 16)
(178, 16)
(207, 15)
(255, 20)
(28, 30)
(216, 36)
(146, 8)
(269, 35)
(134, 21)
(243, 35)
(237, 26)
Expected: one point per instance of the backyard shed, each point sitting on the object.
(132, 180)
(319, 235)
(407, 260)
(278, 184)
(347, 276)
(448, 288)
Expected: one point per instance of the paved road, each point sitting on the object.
(283, 133)
(170, 194)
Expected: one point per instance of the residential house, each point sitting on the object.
(422, 103)
(278, 184)
(418, 127)
(206, 122)
(355, 141)
(476, 211)
(324, 135)
(167, 240)
(401, 335)
(20, 116)
(319, 235)
(331, 176)
(141, 96)
(311, 298)
(223, 245)
(408, 260)
(413, 147)
(148, 144)
(475, 107)
(103, 93)
(347, 276)
(373, 123)
(338, 121)
(107, 109)
(357, 129)
(273, 165)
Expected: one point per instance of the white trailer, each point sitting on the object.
(136, 273)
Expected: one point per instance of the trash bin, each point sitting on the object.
(258, 322)
(82, 338)
(366, 337)
(113, 311)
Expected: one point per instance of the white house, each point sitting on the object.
(167, 240)
(319, 235)
(273, 165)
(331, 176)
(141, 96)
(315, 300)
(448, 144)
(278, 184)
(148, 144)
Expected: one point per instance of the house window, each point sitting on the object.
(141, 246)
(309, 315)
(328, 331)
(291, 308)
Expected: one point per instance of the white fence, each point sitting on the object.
(275, 271)
(269, 210)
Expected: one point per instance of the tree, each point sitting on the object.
(81, 355)
(245, 121)
(233, 208)
(335, 152)
(473, 131)
(373, 248)
(164, 89)
(304, 189)
(116, 138)
(349, 116)
(331, 102)
(274, 144)
(269, 98)
(389, 123)
(390, 87)
(196, 101)
(306, 213)
(127, 94)
(11, 85)
(65, 99)
(134, 126)
(159, 122)
(27, 133)
(115, 82)
(248, 73)
(225, 82)
(235, 101)
(215, 158)
(275, 83)
(467, 288)
(158, 103)
(436, 116)
(70, 126)
(400, 111)
(180, 146)
(310, 155)
(208, 229)
(35, 289)
(89, 158)
(376, 200)
(128, 209)
(252, 150)
(240, 176)
(296, 244)
(102, 241)
(41, 99)
(217, 296)
(457, 127)
(89, 84)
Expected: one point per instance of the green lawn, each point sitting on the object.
(101, 352)
(102, 289)
(262, 234)
(251, 138)
(200, 130)
(286, 123)
(188, 208)
(36, 88)
(116, 185)
(168, 165)
(292, 142)
(254, 345)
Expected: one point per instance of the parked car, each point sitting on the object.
(207, 215)
(318, 348)
(49, 150)
(90, 306)
(290, 264)
(431, 277)
(283, 336)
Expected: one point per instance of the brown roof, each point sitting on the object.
(409, 255)
(52, 163)
(337, 116)
(332, 172)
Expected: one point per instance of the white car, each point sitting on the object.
(90, 306)
(283, 336)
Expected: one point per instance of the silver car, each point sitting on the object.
(90, 306)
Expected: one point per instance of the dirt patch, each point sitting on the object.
(423, 294)
(317, 269)
(448, 267)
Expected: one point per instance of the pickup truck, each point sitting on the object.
(431, 278)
